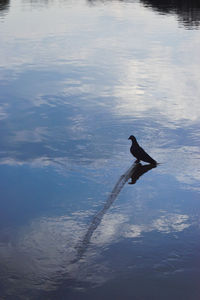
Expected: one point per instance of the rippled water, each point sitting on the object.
(77, 78)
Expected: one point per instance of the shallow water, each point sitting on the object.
(77, 78)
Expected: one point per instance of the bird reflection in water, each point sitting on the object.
(134, 172)
(139, 170)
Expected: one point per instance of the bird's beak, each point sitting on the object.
(129, 138)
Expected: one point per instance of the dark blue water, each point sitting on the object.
(77, 78)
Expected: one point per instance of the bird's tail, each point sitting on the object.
(152, 161)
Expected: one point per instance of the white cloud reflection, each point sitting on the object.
(35, 136)
(182, 163)
(159, 89)
(144, 73)
(3, 112)
(43, 252)
(171, 223)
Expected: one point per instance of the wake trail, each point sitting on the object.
(82, 247)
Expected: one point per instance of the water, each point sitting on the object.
(77, 78)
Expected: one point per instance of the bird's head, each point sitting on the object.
(132, 138)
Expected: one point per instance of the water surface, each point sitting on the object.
(77, 78)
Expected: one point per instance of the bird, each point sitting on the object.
(139, 152)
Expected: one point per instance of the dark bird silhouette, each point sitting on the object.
(139, 170)
(139, 153)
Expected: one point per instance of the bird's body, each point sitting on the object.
(139, 153)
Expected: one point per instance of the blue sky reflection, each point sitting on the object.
(75, 82)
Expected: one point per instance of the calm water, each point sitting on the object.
(76, 79)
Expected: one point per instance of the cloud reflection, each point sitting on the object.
(3, 112)
(173, 222)
(138, 92)
(43, 254)
(38, 135)
(75, 89)
(187, 167)
(54, 250)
